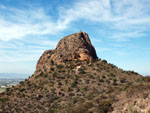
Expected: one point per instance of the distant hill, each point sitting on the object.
(13, 75)
(71, 79)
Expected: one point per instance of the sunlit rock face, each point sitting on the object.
(73, 47)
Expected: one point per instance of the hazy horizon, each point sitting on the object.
(119, 31)
(14, 75)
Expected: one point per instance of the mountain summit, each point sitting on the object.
(71, 79)
(73, 47)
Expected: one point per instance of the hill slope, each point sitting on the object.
(81, 84)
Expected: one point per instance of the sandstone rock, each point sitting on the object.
(73, 47)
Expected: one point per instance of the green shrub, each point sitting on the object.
(74, 84)
(104, 106)
(21, 90)
(101, 80)
(122, 80)
(7, 89)
(59, 66)
(84, 88)
(4, 100)
(134, 72)
(108, 81)
(70, 89)
(104, 61)
(112, 74)
(115, 82)
(81, 71)
(103, 76)
(71, 94)
(147, 78)
(61, 77)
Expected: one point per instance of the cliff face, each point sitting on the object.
(73, 47)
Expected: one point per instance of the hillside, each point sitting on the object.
(71, 79)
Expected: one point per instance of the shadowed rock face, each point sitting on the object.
(73, 47)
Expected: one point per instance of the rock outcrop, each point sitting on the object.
(65, 82)
(73, 47)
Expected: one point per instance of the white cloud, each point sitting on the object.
(95, 10)
(96, 40)
(17, 23)
(120, 53)
(125, 36)
(25, 50)
(126, 17)
(2, 7)
(121, 15)
(103, 49)
(24, 32)
(106, 10)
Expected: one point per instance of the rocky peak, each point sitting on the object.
(73, 47)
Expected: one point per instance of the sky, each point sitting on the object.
(118, 29)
